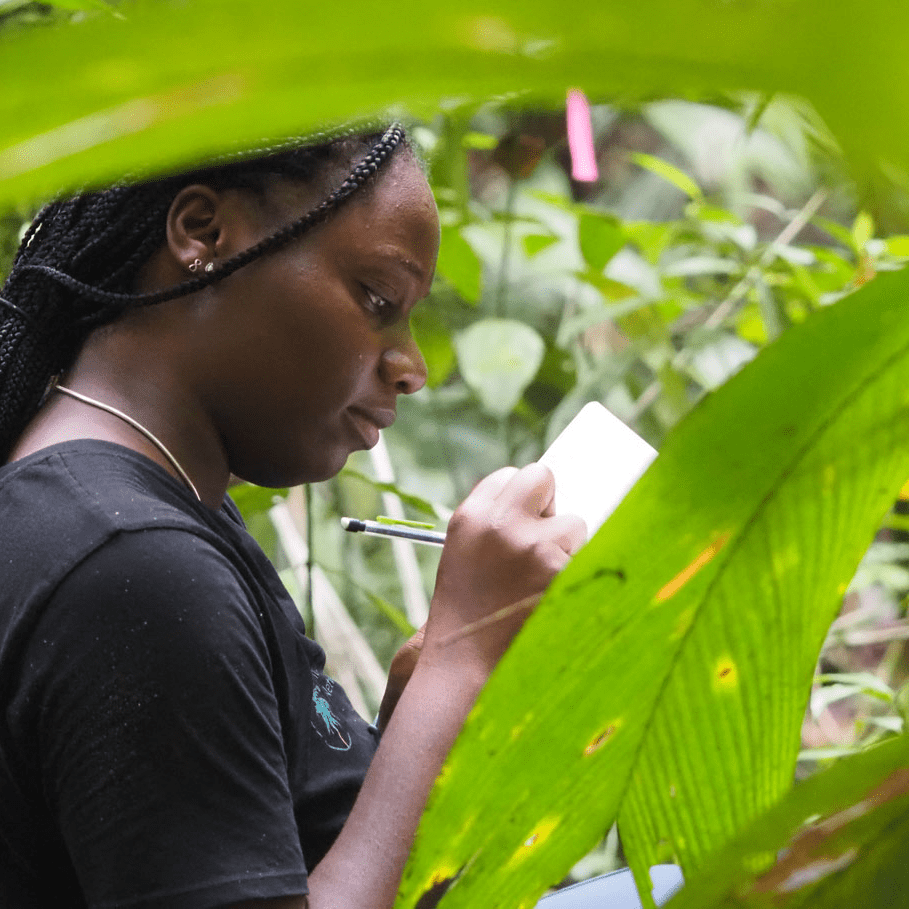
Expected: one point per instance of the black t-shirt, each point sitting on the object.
(167, 736)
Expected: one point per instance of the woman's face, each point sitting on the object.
(307, 349)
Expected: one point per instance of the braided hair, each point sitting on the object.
(79, 261)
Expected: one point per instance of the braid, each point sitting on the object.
(78, 261)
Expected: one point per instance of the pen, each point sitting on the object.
(418, 535)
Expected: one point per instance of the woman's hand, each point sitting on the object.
(503, 547)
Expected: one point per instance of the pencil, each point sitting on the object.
(374, 528)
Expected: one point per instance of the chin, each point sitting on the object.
(279, 476)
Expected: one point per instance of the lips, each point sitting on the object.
(369, 422)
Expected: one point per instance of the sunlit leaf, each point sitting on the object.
(536, 243)
(862, 230)
(665, 676)
(498, 359)
(670, 173)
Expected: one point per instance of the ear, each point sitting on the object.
(195, 225)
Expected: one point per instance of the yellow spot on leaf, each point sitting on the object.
(686, 574)
(603, 737)
(518, 730)
(537, 837)
(904, 492)
(726, 675)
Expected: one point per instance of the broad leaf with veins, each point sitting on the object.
(665, 675)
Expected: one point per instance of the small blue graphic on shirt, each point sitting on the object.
(328, 727)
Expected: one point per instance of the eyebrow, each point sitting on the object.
(395, 256)
(413, 268)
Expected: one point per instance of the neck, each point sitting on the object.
(170, 420)
(134, 424)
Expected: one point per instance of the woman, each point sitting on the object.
(167, 737)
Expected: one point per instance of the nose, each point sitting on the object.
(402, 365)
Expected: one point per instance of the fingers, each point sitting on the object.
(532, 489)
(568, 532)
(493, 485)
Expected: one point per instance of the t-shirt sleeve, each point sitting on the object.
(160, 733)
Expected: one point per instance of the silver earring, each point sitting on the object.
(194, 266)
(210, 267)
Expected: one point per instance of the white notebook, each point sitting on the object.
(595, 460)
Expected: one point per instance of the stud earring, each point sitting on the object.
(194, 266)
(210, 267)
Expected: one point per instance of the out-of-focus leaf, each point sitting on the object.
(609, 287)
(701, 265)
(714, 362)
(128, 106)
(479, 141)
(536, 243)
(459, 264)
(651, 239)
(670, 173)
(898, 246)
(837, 231)
(415, 502)
(79, 4)
(665, 675)
(391, 612)
(841, 837)
(253, 500)
(862, 230)
(498, 359)
(433, 337)
(600, 237)
(866, 682)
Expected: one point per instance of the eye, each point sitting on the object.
(379, 305)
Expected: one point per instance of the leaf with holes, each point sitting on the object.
(665, 675)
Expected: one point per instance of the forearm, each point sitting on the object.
(363, 868)
(502, 549)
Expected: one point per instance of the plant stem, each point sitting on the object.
(310, 561)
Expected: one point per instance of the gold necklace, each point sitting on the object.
(138, 427)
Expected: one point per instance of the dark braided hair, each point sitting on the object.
(79, 261)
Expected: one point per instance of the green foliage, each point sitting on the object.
(842, 836)
(498, 360)
(685, 675)
(128, 106)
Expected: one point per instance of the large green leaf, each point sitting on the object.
(841, 840)
(165, 82)
(665, 675)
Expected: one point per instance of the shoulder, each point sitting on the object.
(160, 582)
(61, 504)
(96, 526)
